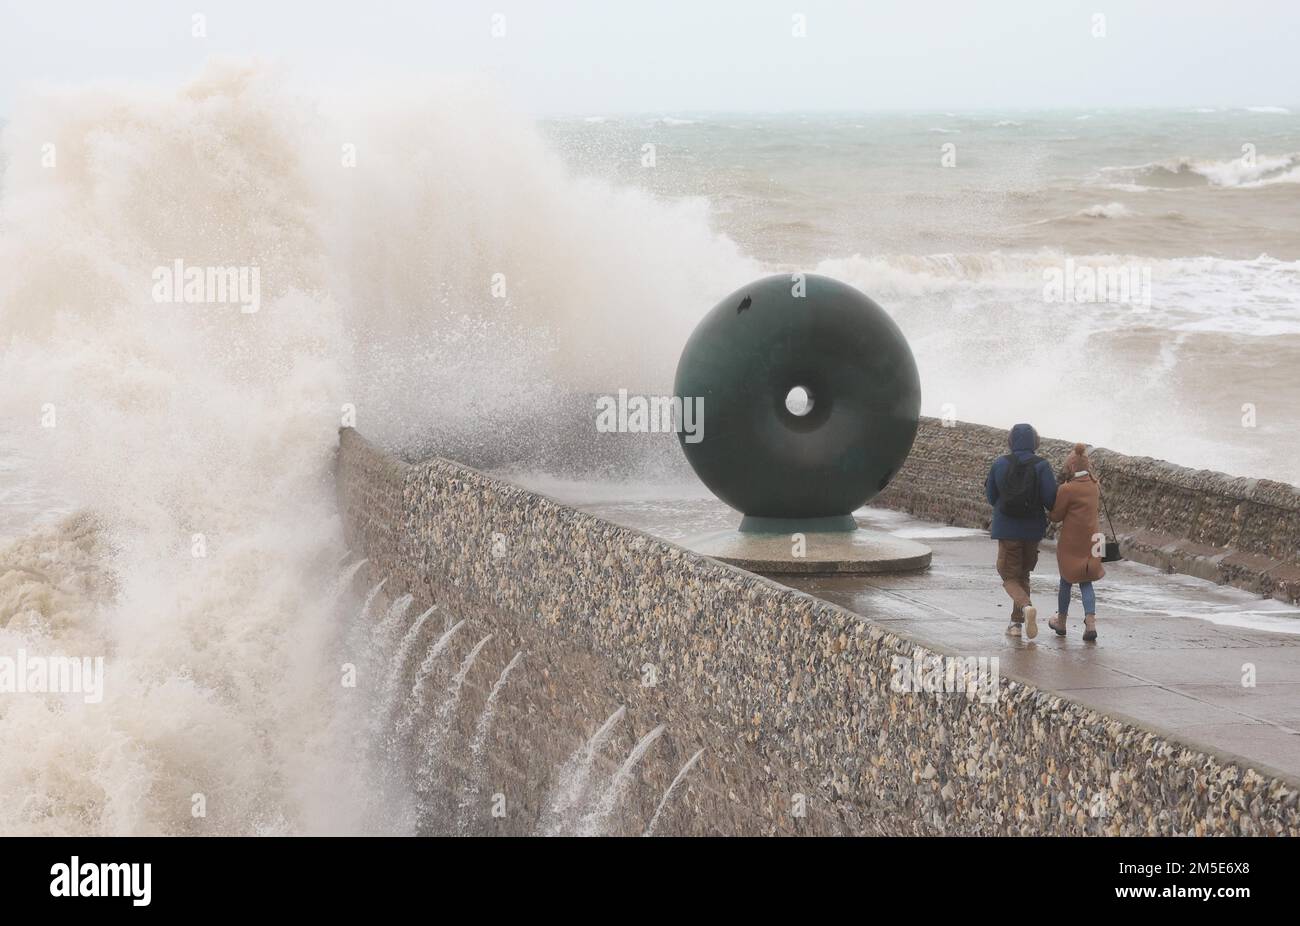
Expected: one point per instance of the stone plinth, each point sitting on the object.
(858, 552)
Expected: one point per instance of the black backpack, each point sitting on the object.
(1018, 496)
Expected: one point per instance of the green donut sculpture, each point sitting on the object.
(814, 464)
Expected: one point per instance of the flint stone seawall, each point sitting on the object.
(788, 697)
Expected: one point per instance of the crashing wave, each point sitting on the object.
(1182, 172)
(414, 246)
(1105, 211)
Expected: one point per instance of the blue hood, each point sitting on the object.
(1003, 526)
(1023, 437)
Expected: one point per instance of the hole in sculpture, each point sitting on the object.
(799, 401)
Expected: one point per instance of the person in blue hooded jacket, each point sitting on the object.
(1021, 487)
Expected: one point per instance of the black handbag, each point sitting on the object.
(1112, 554)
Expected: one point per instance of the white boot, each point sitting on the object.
(1031, 621)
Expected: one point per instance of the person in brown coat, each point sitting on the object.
(1080, 543)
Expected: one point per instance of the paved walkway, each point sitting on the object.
(1171, 652)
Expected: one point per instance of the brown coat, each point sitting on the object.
(1077, 502)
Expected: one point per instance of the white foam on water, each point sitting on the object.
(179, 420)
(184, 428)
(1257, 170)
(958, 312)
(1105, 211)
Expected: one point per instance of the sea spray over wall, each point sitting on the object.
(201, 437)
(477, 265)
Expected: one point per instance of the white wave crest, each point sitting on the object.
(1105, 211)
(381, 226)
(1243, 172)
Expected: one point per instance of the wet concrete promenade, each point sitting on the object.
(1209, 665)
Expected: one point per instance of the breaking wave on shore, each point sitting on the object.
(1244, 172)
(200, 438)
(431, 270)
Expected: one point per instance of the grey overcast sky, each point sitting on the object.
(600, 56)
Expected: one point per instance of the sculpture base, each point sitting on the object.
(840, 523)
(855, 552)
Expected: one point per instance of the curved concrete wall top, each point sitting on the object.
(789, 696)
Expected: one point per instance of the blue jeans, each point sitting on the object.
(1063, 598)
